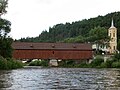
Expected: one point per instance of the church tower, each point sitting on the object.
(112, 32)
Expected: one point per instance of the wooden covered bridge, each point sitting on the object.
(63, 51)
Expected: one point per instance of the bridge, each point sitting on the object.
(49, 51)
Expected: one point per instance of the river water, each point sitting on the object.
(37, 78)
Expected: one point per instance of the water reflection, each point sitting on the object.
(60, 79)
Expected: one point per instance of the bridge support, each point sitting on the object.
(53, 62)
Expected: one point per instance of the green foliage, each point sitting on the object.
(6, 64)
(97, 62)
(70, 63)
(78, 39)
(83, 65)
(6, 48)
(3, 5)
(39, 63)
(116, 57)
(116, 64)
(5, 40)
(3, 63)
(103, 65)
(98, 34)
(107, 64)
(67, 63)
(44, 62)
(4, 28)
(35, 63)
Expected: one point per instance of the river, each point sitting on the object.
(37, 78)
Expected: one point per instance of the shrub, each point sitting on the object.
(116, 57)
(16, 64)
(103, 65)
(97, 62)
(116, 64)
(70, 63)
(83, 65)
(6, 64)
(44, 63)
(109, 63)
(3, 63)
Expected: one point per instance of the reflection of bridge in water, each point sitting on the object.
(48, 51)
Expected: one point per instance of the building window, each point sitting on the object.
(113, 34)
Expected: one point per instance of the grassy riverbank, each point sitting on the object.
(7, 64)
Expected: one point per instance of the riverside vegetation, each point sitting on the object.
(98, 62)
(39, 63)
(6, 64)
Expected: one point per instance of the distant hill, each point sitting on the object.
(60, 32)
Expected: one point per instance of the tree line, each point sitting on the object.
(78, 31)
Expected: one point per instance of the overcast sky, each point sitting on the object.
(30, 17)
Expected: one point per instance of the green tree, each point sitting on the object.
(3, 5)
(5, 40)
(99, 36)
(5, 47)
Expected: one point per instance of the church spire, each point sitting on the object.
(112, 24)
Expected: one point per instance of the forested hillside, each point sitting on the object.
(78, 31)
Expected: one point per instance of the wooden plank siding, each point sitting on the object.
(52, 53)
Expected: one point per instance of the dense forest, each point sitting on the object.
(78, 31)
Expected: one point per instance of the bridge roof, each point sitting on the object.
(51, 46)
